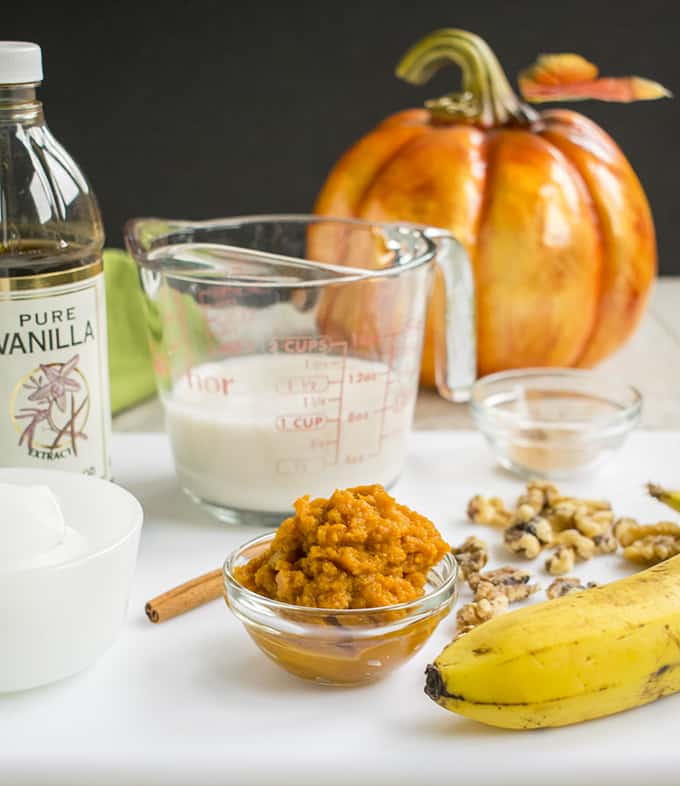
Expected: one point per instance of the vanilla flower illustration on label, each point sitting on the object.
(54, 405)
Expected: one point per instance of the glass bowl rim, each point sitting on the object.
(441, 594)
(482, 409)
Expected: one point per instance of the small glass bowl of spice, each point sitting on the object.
(346, 590)
(553, 423)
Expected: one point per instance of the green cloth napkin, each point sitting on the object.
(130, 370)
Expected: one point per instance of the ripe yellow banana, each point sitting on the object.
(670, 498)
(582, 656)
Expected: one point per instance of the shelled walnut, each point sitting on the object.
(651, 549)
(593, 525)
(472, 555)
(493, 590)
(583, 547)
(647, 544)
(528, 538)
(488, 510)
(627, 530)
(566, 585)
(590, 517)
(561, 561)
(606, 543)
(539, 495)
(472, 614)
(514, 583)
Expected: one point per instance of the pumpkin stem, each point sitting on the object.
(486, 98)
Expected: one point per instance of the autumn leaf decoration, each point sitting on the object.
(570, 77)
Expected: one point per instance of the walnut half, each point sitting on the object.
(472, 555)
(561, 561)
(652, 549)
(473, 614)
(528, 538)
(488, 510)
(514, 583)
(566, 585)
(583, 547)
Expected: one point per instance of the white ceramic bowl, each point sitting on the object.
(56, 620)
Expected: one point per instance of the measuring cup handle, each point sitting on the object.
(454, 332)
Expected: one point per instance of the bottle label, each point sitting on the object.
(54, 384)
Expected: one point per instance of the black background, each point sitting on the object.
(201, 109)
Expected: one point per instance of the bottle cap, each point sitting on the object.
(20, 62)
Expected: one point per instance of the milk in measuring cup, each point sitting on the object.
(256, 432)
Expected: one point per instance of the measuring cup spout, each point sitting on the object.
(452, 307)
(142, 235)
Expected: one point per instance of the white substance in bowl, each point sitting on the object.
(31, 521)
(256, 432)
(32, 526)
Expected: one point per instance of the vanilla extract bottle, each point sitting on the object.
(54, 390)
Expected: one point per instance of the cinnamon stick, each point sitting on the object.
(186, 596)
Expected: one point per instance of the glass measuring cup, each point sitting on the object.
(287, 350)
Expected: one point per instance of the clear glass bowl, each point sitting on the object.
(553, 423)
(339, 646)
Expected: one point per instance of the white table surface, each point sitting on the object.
(192, 702)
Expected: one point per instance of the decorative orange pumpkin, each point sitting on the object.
(554, 219)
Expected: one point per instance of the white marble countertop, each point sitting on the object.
(192, 702)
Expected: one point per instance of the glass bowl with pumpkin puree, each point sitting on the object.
(346, 590)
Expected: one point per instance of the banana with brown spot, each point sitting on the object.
(585, 655)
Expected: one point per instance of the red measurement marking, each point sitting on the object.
(323, 362)
(357, 377)
(315, 402)
(357, 417)
(300, 344)
(390, 360)
(208, 383)
(355, 459)
(340, 396)
(320, 444)
(300, 422)
(310, 384)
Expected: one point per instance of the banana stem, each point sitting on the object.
(487, 99)
(670, 498)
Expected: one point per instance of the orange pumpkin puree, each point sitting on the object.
(359, 549)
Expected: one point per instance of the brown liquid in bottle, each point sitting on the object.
(37, 257)
(54, 387)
